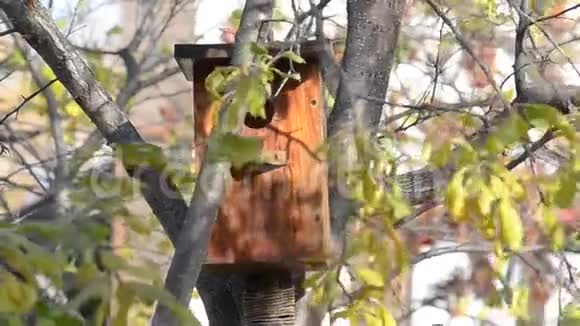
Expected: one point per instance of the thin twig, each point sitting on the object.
(549, 135)
(26, 100)
(463, 42)
(556, 15)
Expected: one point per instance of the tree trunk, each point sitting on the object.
(373, 31)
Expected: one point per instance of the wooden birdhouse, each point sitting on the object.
(276, 216)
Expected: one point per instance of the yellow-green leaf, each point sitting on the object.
(16, 296)
(440, 157)
(512, 230)
(239, 150)
(564, 196)
(293, 57)
(456, 196)
(370, 276)
(485, 200)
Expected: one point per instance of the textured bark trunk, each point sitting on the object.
(192, 243)
(372, 34)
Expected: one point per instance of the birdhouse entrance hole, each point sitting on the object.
(276, 215)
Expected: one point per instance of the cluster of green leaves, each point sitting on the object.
(485, 193)
(82, 271)
(246, 89)
(376, 253)
(74, 253)
(482, 193)
(570, 315)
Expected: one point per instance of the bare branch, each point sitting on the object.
(556, 15)
(26, 100)
(521, 31)
(464, 44)
(72, 71)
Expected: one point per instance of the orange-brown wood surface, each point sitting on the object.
(278, 218)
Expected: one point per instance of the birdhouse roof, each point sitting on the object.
(210, 55)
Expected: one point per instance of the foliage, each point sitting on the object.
(482, 194)
(55, 272)
(253, 87)
(65, 271)
(57, 285)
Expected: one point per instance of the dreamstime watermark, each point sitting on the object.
(144, 179)
(171, 182)
(304, 177)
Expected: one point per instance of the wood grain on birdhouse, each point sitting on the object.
(280, 217)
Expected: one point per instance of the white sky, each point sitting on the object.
(210, 16)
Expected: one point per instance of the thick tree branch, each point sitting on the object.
(38, 29)
(191, 247)
(373, 28)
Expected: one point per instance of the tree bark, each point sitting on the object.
(40, 32)
(372, 34)
(192, 243)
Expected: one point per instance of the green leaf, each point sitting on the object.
(97, 288)
(125, 298)
(512, 230)
(485, 200)
(258, 49)
(255, 96)
(54, 316)
(138, 225)
(440, 157)
(509, 95)
(235, 18)
(292, 56)
(386, 317)
(558, 238)
(16, 296)
(370, 276)
(238, 150)
(136, 155)
(456, 196)
(511, 183)
(49, 231)
(115, 30)
(564, 196)
(466, 155)
(217, 81)
(426, 151)
(571, 314)
(150, 294)
(494, 144)
(519, 306)
(515, 129)
(542, 115)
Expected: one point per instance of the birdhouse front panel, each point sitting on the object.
(273, 216)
